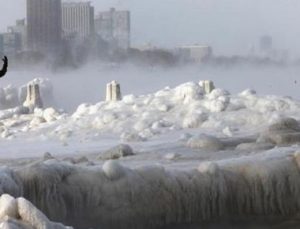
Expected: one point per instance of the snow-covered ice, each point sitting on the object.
(175, 156)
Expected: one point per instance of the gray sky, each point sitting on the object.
(230, 26)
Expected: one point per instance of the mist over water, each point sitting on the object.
(88, 84)
(229, 26)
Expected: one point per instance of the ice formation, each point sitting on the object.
(33, 98)
(45, 89)
(11, 96)
(113, 91)
(205, 142)
(225, 157)
(19, 213)
(115, 196)
(140, 118)
(116, 152)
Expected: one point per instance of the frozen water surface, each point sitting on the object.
(167, 155)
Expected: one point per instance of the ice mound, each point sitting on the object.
(8, 206)
(283, 132)
(21, 214)
(142, 118)
(122, 150)
(248, 92)
(113, 170)
(189, 92)
(205, 142)
(194, 119)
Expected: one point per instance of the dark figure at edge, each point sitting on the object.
(4, 68)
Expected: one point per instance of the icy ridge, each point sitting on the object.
(114, 196)
(139, 118)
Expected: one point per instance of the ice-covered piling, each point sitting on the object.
(113, 91)
(33, 98)
(207, 85)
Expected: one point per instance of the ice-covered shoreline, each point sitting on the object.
(189, 156)
(263, 187)
(185, 109)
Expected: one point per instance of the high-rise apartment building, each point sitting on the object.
(77, 19)
(44, 25)
(114, 27)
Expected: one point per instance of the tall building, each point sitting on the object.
(44, 25)
(10, 43)
(77, 19)
(20, 28)
(114, 27)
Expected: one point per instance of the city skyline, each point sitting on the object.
(225, 32)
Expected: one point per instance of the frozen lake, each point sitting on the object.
(223, 159)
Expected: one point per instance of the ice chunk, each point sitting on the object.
(113, 170)
(208, 167)
(188, 91)
(47, 156)
(122, 150)
(247, 92)
(34, 217)
(255, 146)
(205, 142)
(129, 99)
(283, 132)
(194, 120)
(132, 137)
(172, 156)
(50, 114)
(8, 206)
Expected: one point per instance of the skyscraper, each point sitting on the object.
(77, 19)
(114, 27)
(43, 25)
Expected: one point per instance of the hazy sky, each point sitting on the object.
(230, 26)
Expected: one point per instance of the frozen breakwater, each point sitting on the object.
(262, 188)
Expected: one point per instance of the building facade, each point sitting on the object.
(44, 25)
(194, 53)
(10, 43)
(77, 19)
(114, 27)
(20, 28)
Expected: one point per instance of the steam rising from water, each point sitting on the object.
(87, 85)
